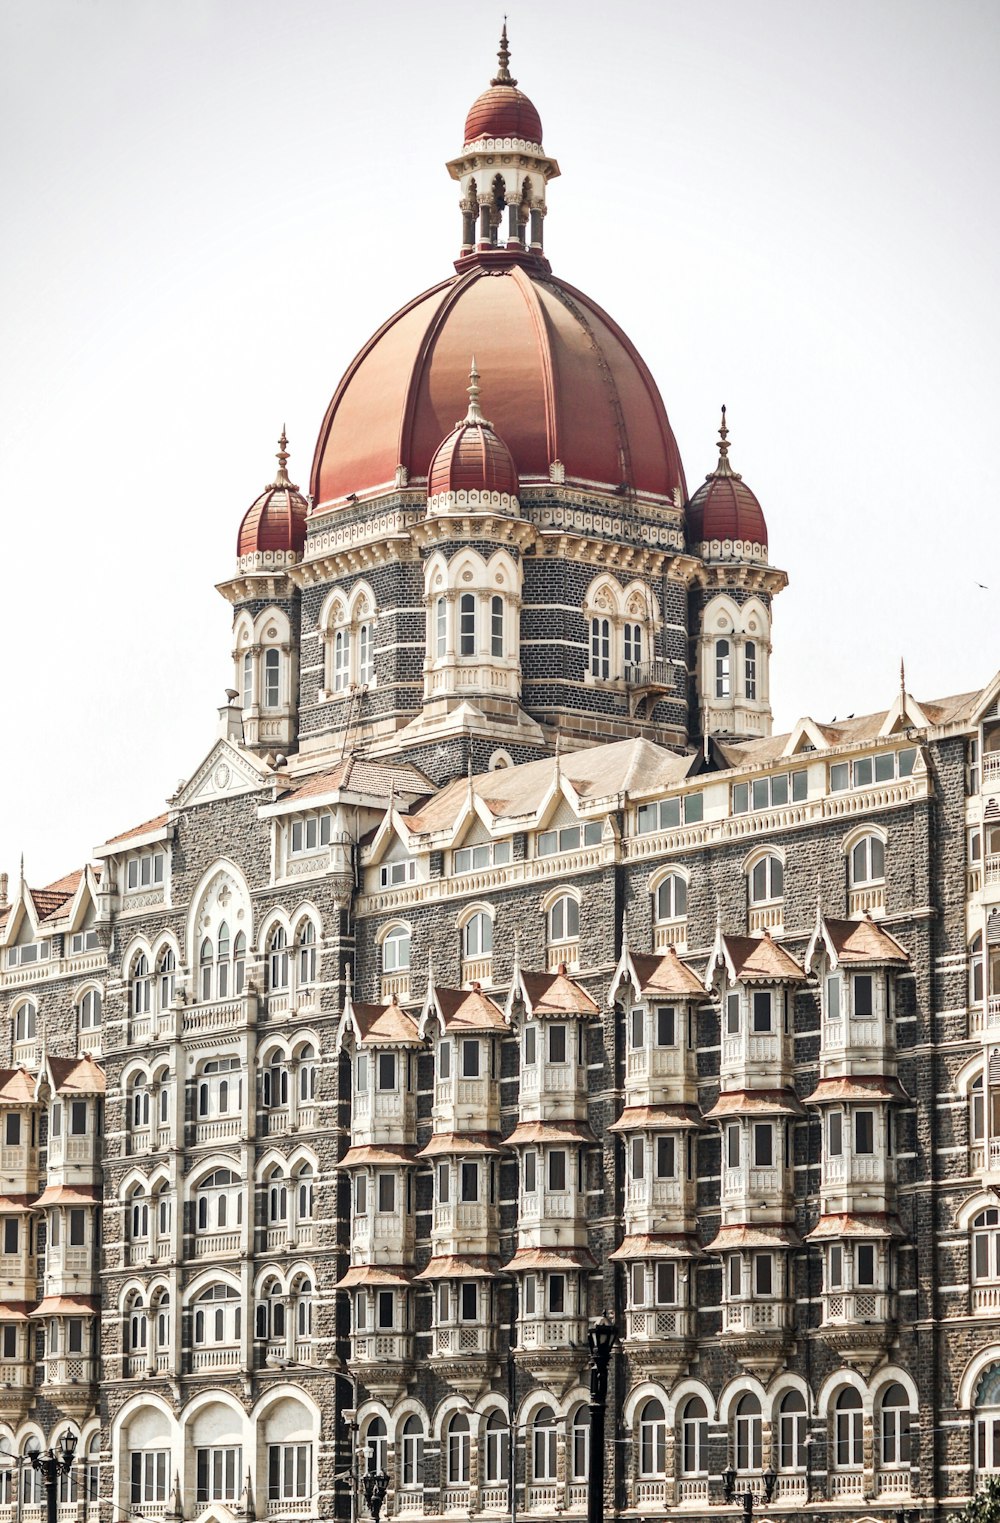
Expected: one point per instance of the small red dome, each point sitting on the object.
(503, 112)
(724, 508)
(277, 520)
(472, 458)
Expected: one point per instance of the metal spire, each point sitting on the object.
(724, 468)
(475, 412)
(281, 479)
(503, 75)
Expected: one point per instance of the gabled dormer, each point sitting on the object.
(551, 1012)
(857, 963)
(659, 997)
(755, 979)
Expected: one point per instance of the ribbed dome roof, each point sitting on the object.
(277, 520)
(503, 111)
(724, 509)
(472, 458)
(566, 387)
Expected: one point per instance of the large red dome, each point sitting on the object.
(503, 112)
(565, 386)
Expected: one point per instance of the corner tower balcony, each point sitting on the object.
(551, 1311)
(551, 1012)
(756, 979)
(463, 1336)
(660, 1187)
(660, 998)
(466, 1029)
(381, 1328)
(551, 1165)
(859, 1304)
(758, 1315)
(660, 1320)
(859, 1141)
(466, 1211)
(757, 1177)
(384, 1041)
(857, 963)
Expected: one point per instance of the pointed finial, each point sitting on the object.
(902, 680)
(724, 468)
(503, 75)
(21, 883)
(475, 412)
(281, 479)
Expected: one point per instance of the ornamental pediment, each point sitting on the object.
(224, 773)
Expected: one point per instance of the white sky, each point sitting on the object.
(789, 205)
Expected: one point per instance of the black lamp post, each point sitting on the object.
(601, 1337)
(375, 1484)
(746, 1498)
(52, 1466)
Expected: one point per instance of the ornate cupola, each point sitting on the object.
(472, 468)
(732, 605)
(266, 611)
(503, 172)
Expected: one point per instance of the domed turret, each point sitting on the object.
(726, 528)
(724, 517)
(472, 467)
(503, 111)
(273, 530)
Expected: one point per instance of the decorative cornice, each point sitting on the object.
(262, 583)
(475, 526)
(740, 574)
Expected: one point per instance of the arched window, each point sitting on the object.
(544, 1445)
(138, 1103)
(140, 985)
(219, 1202)
(278, 959)
(867, 862)
(239, 963)
(205, 962)
(366, 658)
(694, 1437)
(564, 919)
(723, 669)
(272, 679)
(477, 937)
(600, 648)
(579, 1431)
(136, 1329)
(377, 1442)
(224, 950)
(767, 880)
(25, 1021)
(307, 1073)
(848, 1430)
(976, 981)
(459, 1450)
(671, 898)
(92, 1482)
(987, 1404)
(632, 649)
(163, 1320)
(138, 1216)
(31, 1479)
(396, 950)
(90, 1011)
(652, 1439)
(977, 1111)
(413, 1451)
(166, 972)
(748, 1434)
(496, 628)
(303, 1291)
(277, 1197)
(986, 1245)
(497, 1448)
(467, 624)
(307, 954)
(247, 679)
(894, 1426)
(440, 627)
(274, 1083)
(792, 1432)
(750, 668)
(217, 1316)
(271, 1311)
(341, 660)
(304, 1193)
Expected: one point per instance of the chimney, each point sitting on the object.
(231, 718)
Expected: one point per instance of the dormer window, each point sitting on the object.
(83, 941)
(469, 859)
(770, 792)
(864, 771)
(30, 952)
(395, 874)
(570, 838)
(145, 871)
(668, 814)
(310, 833)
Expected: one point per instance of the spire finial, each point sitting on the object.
(902, 680)
(724, 468)
(281, 479)
(475, 412)
(503, 75)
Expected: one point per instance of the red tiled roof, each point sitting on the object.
(375, 1274)
(656, 1118)
(651, 1245)
(863, 941)
(54, 1306)
(17, 1086)
(764, 1235)
(452, 1143)
(382, 1025)
(77, 1076)
(858, 1087)
(157, 823)
(453, 1266)
(557, 994)
(667, 975)
(756, 1102)
(469, 1010)
(857, 1224)
(552, 1258)
(69, 1195)
(376, 1153)
(759, 957)
(549, 1131)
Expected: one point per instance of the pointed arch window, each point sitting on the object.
(166, 973)
(307, 954)
(90, 1011)
(440, 627)
(496, 628)
(413, 1451)
(633, 649)
(341, 660)
(272, 679)
(723, 669)
(206, 968)
(278, 960)
(600, 648)
(467, 624)
(247, 682)
(239, 963)
(750, 668)
(652, 1439)
(366, 662)
(224, 950)
(141, 985)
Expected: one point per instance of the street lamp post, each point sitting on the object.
(602, 1337)
(747, 1498)
(52, 1466)
(375, 1484)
